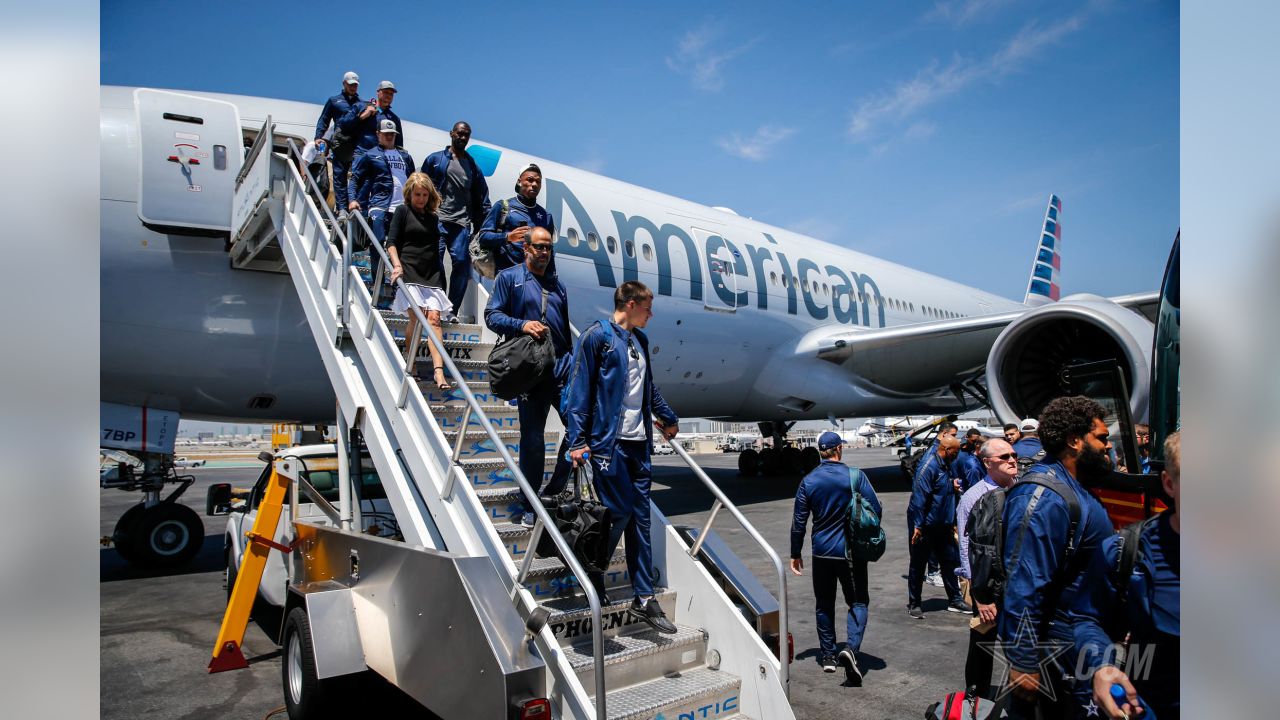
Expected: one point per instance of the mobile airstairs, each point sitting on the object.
(456, 611)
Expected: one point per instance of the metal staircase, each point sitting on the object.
(447, 462)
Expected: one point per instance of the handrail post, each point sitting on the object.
(702, 535)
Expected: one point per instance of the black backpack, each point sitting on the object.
(986, 526)
(519, 363)
(1130, 548)
(1025, 463)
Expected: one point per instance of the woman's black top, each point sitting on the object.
(416, 238)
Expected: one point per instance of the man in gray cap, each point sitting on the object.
(338, 111)
(367, 119)
(825, 493)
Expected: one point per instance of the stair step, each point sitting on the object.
(570, 618)
(548, 577)
(640, 657)
(470, 370)
(501, 416)
(699, 693)
(491, 473)
(453, 397)
(476, 443)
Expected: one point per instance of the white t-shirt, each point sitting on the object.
(632, 426)
(395, 161)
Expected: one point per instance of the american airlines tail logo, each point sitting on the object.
(1043, 286)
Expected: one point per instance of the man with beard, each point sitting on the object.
(1044, 555)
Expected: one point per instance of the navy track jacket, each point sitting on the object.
(337, 110)
(517, 299)
(370, 182)
(366, 131)
(824, 493)
(969, 469)
(436, 167)
(933, 498)
(597, 384)
(494, 238)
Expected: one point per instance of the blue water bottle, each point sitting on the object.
(1118, 695)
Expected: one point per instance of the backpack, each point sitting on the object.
(863, 536)
(1130, 548)
(965, 706)
(1025, 463)
(606, 329)
(986, 526)
(482, 257)
(518, 363)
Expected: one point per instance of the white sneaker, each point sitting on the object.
(528, 519)
(934, 579)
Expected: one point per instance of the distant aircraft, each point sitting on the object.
(752, 322)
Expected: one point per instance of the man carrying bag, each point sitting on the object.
(530, 309)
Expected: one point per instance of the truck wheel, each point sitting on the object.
(749, 463)
(126, 528)
(770, 462)
(167, 535)
(791, 460)
(305, 695)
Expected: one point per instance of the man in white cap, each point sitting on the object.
(377, 180)
(367, 120)
(338, 111)
(825, 493)
(1028, 447)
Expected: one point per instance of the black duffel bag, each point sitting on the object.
(519, 363)
(585, 523)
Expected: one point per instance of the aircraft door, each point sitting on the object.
(189, 153)
(724, 264)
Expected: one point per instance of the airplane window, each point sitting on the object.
(648, 251)
(572, 234)
(773, 278)
(912, 306)
(611, 244)
(593, 241)
(630, 247)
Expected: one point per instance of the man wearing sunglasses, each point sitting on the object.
(1001, 465)
(515, 308)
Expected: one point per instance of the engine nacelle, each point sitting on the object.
(1025, 369)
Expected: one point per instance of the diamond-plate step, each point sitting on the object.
(477, 444)
(501, 416)
(453, 397)
(503, 504)
(699, 693)
(640, 657)
(492, 473)
(472, 371)
(548, 577)
(570, 618)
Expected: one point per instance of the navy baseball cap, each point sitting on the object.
(829, 440)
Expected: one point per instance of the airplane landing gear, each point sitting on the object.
(157, 532)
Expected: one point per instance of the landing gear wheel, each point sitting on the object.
(306, 696)
(770, 462)
(791, 460)
(749, 463)
(126, 528)
(166, 535)
(809, 459)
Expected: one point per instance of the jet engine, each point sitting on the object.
(1030, 360)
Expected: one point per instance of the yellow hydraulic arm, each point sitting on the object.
(226, 651)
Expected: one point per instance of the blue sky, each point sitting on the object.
(929, 134)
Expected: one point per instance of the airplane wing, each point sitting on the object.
(920, 358)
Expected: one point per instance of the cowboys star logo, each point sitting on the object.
(1046, 650)
(604, 464)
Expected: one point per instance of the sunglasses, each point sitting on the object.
(1005, 457)
(540, 247)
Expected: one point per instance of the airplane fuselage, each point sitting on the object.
(182, 330)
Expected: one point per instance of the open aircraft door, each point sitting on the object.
(724, 264)
(189, 153)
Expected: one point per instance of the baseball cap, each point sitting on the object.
(387, 126)
(351, 78)
(1029, 425)
(829, 440)
(387, 85)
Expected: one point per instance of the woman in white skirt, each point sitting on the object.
(417, 255)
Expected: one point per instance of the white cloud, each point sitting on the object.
(936, 82)
(704, 64)
(759, 145)
(961, 12)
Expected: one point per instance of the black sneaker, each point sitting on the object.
(651, 612)
(915, 612)
(597, 582)
(852, 672)
(828, 664)
(960, 606)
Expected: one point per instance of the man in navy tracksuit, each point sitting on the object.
(1150, 614)
(967, 468)
(1043, 558)
(931, 514)
(826, 493)
(377, 179)
(338, 112)
(464, 203)
(611, 396)
(516, 308)
(522, 214)
(366, 120)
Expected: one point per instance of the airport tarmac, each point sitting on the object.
(157, 628)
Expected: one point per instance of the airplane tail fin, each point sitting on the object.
(1043, 287)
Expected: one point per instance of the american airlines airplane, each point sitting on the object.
(752, 322)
